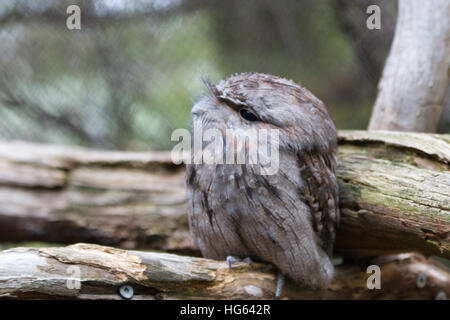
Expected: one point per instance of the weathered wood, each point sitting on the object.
(395, 195)
(85, 271)
(67, 195)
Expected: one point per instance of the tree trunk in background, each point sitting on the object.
(415, 78)
(444, 124)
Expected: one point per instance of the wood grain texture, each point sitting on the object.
(395, 195)
(30, 273)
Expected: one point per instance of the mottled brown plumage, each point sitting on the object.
(287, 219)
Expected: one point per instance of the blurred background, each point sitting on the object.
(129, 77)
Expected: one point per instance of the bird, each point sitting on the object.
(287, 219)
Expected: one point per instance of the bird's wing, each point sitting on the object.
(321, 195)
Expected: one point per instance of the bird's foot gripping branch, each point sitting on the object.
(87, 271)
(394, 197)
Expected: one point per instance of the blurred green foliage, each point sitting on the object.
(129, 77)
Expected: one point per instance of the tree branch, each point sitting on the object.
(395, 195)
(55, 12)
(101, 271)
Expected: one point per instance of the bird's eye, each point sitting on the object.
(248, 115)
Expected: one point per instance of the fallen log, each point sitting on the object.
(85, 271)
(395, 195)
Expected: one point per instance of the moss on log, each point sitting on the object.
(395, 195)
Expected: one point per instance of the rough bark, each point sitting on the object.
(415, 78)
(30, 273)
(444, 122)
(395, 196)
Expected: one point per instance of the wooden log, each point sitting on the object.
(85, 271)
(395, 195)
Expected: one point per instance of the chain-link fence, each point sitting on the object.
(129, 76)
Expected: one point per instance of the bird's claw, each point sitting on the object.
(231, 260)
(248, 260)
(280, 283)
